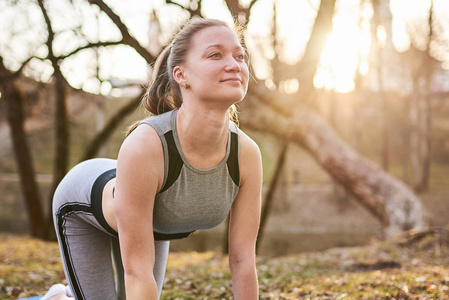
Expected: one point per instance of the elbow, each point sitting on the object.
(138, 271)
(134, 275)
(242, 255)
(242, 261)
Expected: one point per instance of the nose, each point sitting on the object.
(232, 65)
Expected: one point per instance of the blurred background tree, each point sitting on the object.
(60, 57)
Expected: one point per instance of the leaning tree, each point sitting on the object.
(295, 121)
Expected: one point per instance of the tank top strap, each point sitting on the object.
(234, 155)
(175, 162)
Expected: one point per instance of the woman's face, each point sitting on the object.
(216, 66)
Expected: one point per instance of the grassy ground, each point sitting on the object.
(412, 266)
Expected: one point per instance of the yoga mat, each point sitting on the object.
(31, 298)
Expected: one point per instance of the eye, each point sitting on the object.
(241, 57)
(215, 55)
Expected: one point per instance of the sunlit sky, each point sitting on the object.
(345, 46)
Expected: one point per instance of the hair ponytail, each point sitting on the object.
(163, 93)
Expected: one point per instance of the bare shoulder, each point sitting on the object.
(250, 159)
(141, 141)
(248, 145)
(142, 154)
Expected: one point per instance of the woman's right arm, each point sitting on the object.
(140, 170)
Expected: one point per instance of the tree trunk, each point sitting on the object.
(420, 120)
(62, 145)
(427, 142)
(396, 207)
(415, 141)
(268, 203)
(426, 108)
(382, 17)
(310, 61)
(385, 197)
(404, 131)
(13, 103)
(420, 141)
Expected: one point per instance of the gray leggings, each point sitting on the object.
(90, 251)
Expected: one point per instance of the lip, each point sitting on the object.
(232, 79)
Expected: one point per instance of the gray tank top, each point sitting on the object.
(190, 198)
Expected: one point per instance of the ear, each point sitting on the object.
(180, 76)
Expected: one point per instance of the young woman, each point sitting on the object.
(181, 170)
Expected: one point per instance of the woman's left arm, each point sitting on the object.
(244, 223)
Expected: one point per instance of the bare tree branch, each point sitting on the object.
(127, 37)
(192, 12)
(51, 33)
(176, 4)
(237, 10)
(91, 45)
(305, 69)
(251, 5)
(110, 127)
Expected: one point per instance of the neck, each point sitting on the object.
(202, 133)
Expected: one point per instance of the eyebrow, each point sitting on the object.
(222, 46)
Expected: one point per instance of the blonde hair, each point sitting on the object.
(163, 93)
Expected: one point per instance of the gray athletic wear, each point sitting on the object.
(88, 251)
(190, 199)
